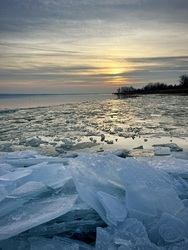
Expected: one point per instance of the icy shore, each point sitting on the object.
(93, 201)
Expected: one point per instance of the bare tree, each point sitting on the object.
(183, 80)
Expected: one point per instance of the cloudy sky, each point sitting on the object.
(82, 46)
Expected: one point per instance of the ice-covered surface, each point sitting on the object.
(98, 125)
(57, 197)
(93, 201)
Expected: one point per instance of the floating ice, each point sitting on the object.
(34, 142)
(171, 146)
(162, 151)
(93, 201)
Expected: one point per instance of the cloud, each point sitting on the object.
(28, 13)
(80, 41)
(30, 47)
(169, 59)
(48, 71)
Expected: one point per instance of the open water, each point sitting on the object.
(8, 101)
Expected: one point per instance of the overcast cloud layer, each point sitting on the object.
(74, 46)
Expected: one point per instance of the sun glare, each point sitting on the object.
(115, 68)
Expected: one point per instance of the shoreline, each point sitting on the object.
(159, 92)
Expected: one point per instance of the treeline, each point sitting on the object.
(157, 87)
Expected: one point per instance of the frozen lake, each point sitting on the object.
(96, 125)
(68, 179)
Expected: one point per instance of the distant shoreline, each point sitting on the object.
(143, 92)
(156, 88)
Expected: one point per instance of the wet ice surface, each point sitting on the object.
(93, 201)
(94, 126)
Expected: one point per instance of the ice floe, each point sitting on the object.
(93, 201)
(59, 129)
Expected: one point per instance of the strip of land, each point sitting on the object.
(156, 88)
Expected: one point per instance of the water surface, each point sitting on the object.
(11, 101)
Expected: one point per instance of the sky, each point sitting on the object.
(91, 46)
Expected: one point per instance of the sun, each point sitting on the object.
(115, 69)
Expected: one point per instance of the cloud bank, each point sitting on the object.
(92, 43)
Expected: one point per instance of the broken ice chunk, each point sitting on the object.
(81, 220)
(105, 168)
(140, 202)
(115, 208)
(10, 204)
(132, 227)
(183, 215)
(149, 191)
(169, 228)
(3, 193)
(5, 168)
(130, 234)
(33, 142)
(30, 190)
(89, 195)
(28, 158)
(170, 232)
(185, 202)
(122, 153)
(183, 245)
(104, 240)
(171, 165)
(14, 179)
(53, 175)
(162, 151)
(102, 137)
(92, 170)
(22, 155)
(15, 243)
(34, 213)
(17, 175)
(139, 171)
(172, 146)
(167, 200)
(42, 243)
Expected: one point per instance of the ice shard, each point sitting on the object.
(35, 213)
